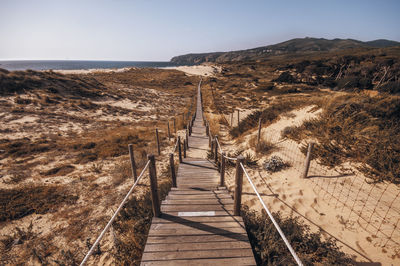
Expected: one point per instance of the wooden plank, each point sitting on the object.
(197, 201)
(205, 196)
(196, 238)
(217, 213)
(197, 254)
(204, 262)
(197, 232)
(156, 226)
(181, 208)
(197, 246)
(198, 219)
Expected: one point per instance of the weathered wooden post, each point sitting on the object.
(259, 132)
(216, 150)
(210, 141)
(158, 142)
(222, 170)
(187, 138)
(308, 159)
(133, 164)
(174, 125)
(212, 147)
(179, 149)
(231, 119)
(172, 167)
(153, 186)
(237, 201)
(169, 132)
(184, 148)
(238, 119)
(207, 129)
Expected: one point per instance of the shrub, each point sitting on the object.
(269, 248)
(275, 164)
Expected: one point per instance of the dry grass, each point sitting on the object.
(24, 200)
(265, 147)
(269, 114)
(360, 128)
(269, 248)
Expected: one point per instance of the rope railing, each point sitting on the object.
(238, 189)
(153, 178)
(288, 245)
(114, 216)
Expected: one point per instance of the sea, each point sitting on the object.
(77, 64)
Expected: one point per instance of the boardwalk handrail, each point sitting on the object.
(114, 216)
(288, 245)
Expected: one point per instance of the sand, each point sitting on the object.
(92, 70)
(287, 192)
(206, 70)
(200, 70)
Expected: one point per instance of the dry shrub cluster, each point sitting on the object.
(24, 200)
(49, 82)
(264, 147)
(132, 226)
(268, 115)
(269, 248)
(361, 128)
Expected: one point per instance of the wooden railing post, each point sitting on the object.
(172, 167)
(259, 132)
(184, 148)
(216, 149)
(153, 186)
(212, 147)
(209, 138)
(174, 125)
(158, 142)
(187, 139)
(169, 132)
(231, 119)
(206, 128)
(133, 164)
(238, 186)
(222, 170)
(238, 119)
(308, 160)
(179, 149)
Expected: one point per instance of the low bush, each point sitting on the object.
(269, 248)
(22, 201)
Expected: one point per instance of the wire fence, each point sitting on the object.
(374, 206)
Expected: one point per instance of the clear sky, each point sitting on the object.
(158, 30)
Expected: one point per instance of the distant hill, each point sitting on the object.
(299, 45)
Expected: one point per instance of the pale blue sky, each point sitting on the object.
(157, 30)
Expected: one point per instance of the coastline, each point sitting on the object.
(198, 70)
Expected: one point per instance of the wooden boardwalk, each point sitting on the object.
(197, 225)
